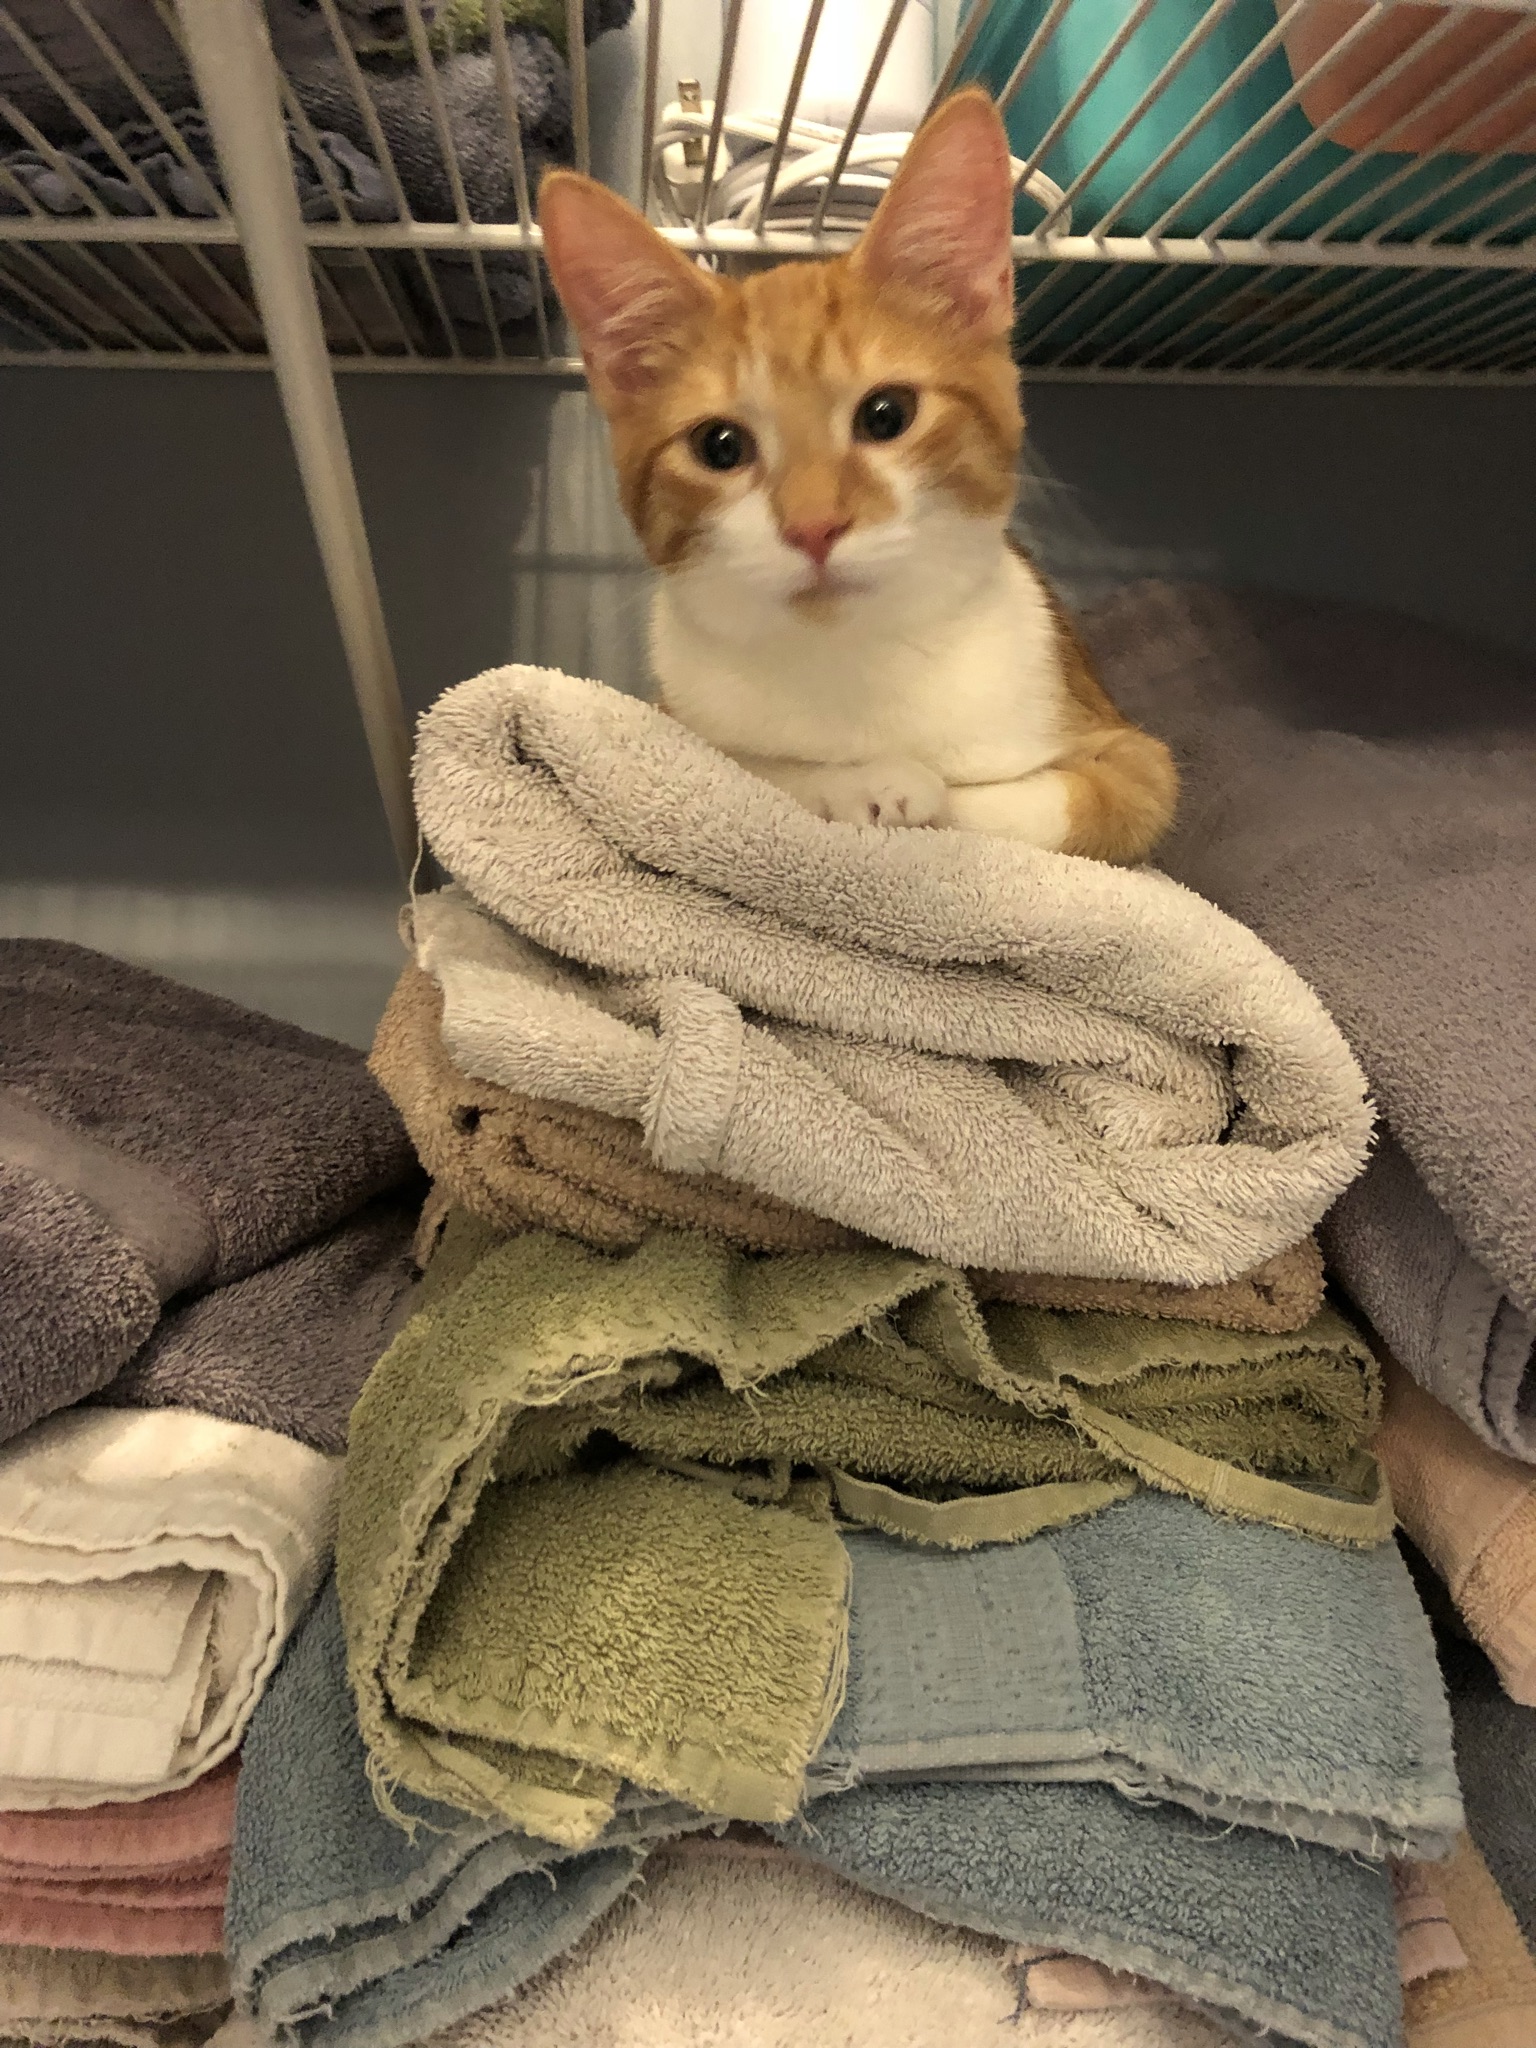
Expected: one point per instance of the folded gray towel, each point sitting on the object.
(1360, 788)
(1165, 1651)
(958, 1044)
(288, 1348)
(155, 1140)
(1277, 1937)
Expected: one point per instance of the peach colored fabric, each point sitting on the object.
(1472, 1511)
(1491, 2003)
(131, 1878)
(1426, 1940)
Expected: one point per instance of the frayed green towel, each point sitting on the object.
(587, 1530)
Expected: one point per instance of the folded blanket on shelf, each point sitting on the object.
(287, 1349)
(344, 1928)
(1139, 1648)
(57, 1998)
(1287, 1936)
(1359, 789)
(151, 1567)
(1491, 2003)
(522, 1163)
(1496, 1761)
(154, 1140)
(732, 1943)
(1472, 1512)
(489, 1560)
(145, 1877)
(992, 1055)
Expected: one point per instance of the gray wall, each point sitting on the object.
(175, 706)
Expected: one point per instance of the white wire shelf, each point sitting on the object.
(1259, 189)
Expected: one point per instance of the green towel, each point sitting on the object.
(588, 1530)
(460, 25)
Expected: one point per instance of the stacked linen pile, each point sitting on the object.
(869, 1394)
(1360, 789)
(205, 1218)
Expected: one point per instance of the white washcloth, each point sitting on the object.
(152, 1565)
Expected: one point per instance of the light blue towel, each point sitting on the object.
(1244, 1672)
(1266, 1933)
(342, 1926)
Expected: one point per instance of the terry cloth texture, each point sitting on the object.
(1285, 1935)
(528, 1626)
(1496, 1760)
(151, 1568)
(993, 1055)
(738, 1947)
(143, 1878)
(1472, 1512)
(152, 1140)
(344, 1928)
(1139, 1648)
(59, 1997)
(1359, 789)
(1492, 2002)
(521, 1163)
(289, 1348)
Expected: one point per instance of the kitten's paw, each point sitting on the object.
(893, 793)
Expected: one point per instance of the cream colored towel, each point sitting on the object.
(152, 1564)
(1472, 1511)
(728, 1946)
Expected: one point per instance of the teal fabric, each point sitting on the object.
(1243, 1672)
(1354, 178)
(1267, 1933)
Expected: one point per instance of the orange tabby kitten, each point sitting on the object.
(822, 459)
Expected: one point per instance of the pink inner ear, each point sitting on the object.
(627, 292)
(945, 227)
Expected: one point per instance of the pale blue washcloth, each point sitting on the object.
(1268, 1934)
(1239, 1670)
(343, 1926)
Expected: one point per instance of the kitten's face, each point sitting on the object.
(819, 439)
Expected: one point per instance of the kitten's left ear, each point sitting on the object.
(945, 226)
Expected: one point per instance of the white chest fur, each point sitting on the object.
(960, 673)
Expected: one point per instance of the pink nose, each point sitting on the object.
(817, 540)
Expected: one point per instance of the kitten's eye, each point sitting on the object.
(885, 414)
(722, 444)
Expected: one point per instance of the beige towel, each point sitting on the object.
(1491, 2003)
(958, 1044)
(521, 1164)
(1472, 1511)
(152, 1564)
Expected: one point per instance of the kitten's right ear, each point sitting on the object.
(631, 297)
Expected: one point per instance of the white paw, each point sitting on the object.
(895, 792)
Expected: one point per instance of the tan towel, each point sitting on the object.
(526, 1164)
(1472, 1511)
(1492, 2003)
(521, 1164)
(58, 1997)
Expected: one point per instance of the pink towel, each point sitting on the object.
(140, 1877)
(1472, 1511)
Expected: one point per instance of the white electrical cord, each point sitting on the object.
(735, 198)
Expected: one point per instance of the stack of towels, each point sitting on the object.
(842, 1508)
(870, 1489)
(205, 1228)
